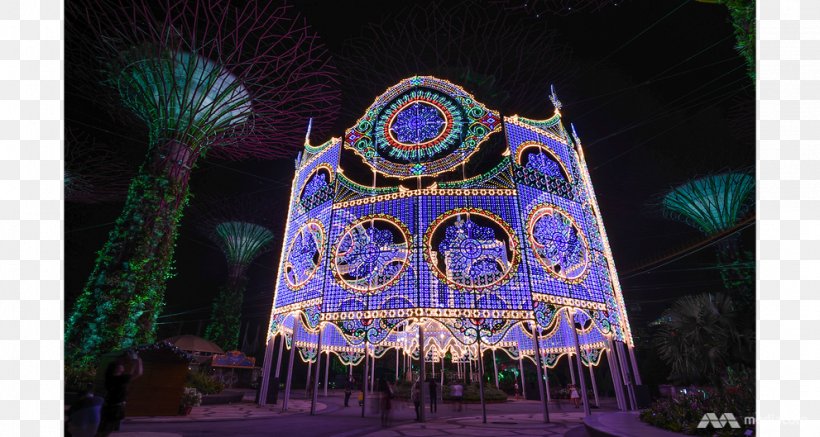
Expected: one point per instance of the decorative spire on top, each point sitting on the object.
(554, 99)
(574, 134)
(307, 134)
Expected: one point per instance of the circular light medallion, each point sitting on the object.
(418, 123)
(559, 245)
(422, 126)
(304, 254)
(471, 249)
(372, 253)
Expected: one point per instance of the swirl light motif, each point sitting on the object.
(543, 163)
(417, 123)
(372, 254)
(558, 243)
(474, 257)
(305, 254)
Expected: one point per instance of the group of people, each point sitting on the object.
(93, 415)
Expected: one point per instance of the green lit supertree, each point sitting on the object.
(716, 204)
(742, 16)
(241, 242)
(205, 77)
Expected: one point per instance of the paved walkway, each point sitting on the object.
(239, 411)
(512, 418)
(497, 425)
(624, 424)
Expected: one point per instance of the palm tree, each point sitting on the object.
(699, 338)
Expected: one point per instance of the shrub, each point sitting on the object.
(684, 412)
(190, 398)
(78, 377)
(205, 384)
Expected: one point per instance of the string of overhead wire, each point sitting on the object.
(622, 46)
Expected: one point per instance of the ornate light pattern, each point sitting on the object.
(416, 124)
(421, 127)
(314, 185)
(372, 253)
(449, 257)
(305, 254)
(545, 164)
(473, 257)
(558, 244)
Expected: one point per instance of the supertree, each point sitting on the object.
(205, 77)
(240, 227)
(716, 204)
(468, 42)
(742, 16)
(92, 173)
(241, 242)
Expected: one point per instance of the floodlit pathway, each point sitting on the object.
(512, 418)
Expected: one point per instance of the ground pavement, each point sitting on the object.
(512, 418)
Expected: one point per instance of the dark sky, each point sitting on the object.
(655, 88)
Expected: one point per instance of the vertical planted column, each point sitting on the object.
(191, 72)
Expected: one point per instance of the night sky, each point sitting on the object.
(655, 88)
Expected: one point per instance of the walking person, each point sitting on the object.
(433, 396)
(386, 401)
(349, 385)
(116, 386)
(415, 396)
(457, 392)
(516, 390)
(573, 394)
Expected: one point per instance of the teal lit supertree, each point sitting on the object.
(241, 242)
(205, 78)
(716, 204)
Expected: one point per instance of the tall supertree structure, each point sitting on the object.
(206, 78)
(714, 205)
(239, 226)
(93, 173)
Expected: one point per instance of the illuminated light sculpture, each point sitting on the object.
(716, 204)
(206, 78)
(448, 266)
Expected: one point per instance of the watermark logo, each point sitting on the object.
(718, 422)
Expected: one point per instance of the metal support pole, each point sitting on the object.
(535, 341)
(327, 368)
(481, 382)
(350, 372)
(373, 373)
(422, 373)
(364, 379)
(617, 383)
(625, 371)
(433, 366)
(263, 389)
(397, 366)
(547, 383)
(578, 363)
(307, 382)
(495, 368)
(471, 372)
(441, 384)
(296, 324)
(594, 384)
(521, 372)
(634, 365)
(318, 369)
(571, 370)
